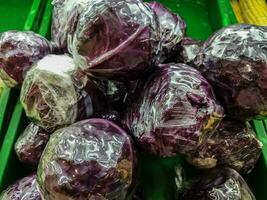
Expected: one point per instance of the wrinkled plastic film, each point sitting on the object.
(30, 145)
(48, 93)
(90, 159)
(221, 183)
(18, 52)
(54, 94)
(65, 19)
(171, 28)
(175, 112)
(25, 188)
(234, 60)
(238, 42)
(118, 38)
(126, 31)
(134, 35)
(188, 50)
(233, 144)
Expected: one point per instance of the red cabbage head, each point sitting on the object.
(175, 112)
(64, 21)
(171, 28)
(116, 39)
(52, 97)
(30, 145)
(233, 144)
(26, 188)
(91, 159)
(18, 52)
(220, 183)
(234, 60)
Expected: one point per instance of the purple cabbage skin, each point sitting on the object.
(30, 145)
(171, 27)
(24, 189)
(174, 113)
(116, 39)
(188, 50)
(64, 20)
(233, 145)
(53, 97)
(234, 60)
(18, 52)
(219, 184)
(91, 159)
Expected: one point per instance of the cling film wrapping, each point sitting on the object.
(91, 159)
(175, 111)
(233, 144)
(30, 145)
(236, 42)
(121, 39)
(48, 93)
(115, 37)
(18, 52)
(220, 183)
(188, 49)
(234, 61)
(24, 189)
(53, 97)
(65, 19)
(171, 28)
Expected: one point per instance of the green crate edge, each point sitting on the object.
(260, 129)
(7, 101)
(8, 98)
(45, 27)
(4, 100)
(32, 23)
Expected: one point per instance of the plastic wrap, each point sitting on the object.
(52, 97)
(30, 145)
(219, 184)
(18, 52)
(188, 49)
(234, 60)
(65, 19)
(171, 27)
(24, 189)
(175, 112)
(92, 159)
(116, 39)
(233, 145)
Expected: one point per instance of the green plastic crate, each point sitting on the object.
(14, 15)
(258, 178)
(5, 112)
(203, 17)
